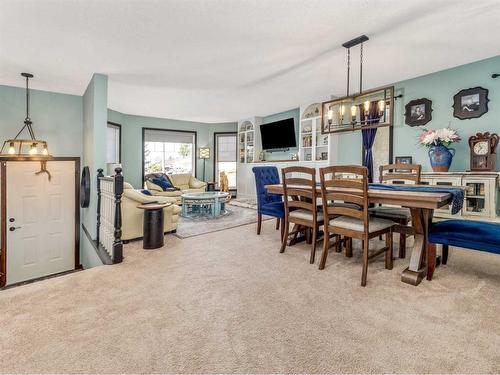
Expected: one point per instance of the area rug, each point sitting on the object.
(244, 202)
(238, 216)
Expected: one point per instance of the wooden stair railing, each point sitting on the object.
(109, 215)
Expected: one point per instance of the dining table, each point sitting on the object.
(422, 205)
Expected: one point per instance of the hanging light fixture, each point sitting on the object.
(367, 108)
(25, 147)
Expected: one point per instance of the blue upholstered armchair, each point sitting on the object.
(268, 204)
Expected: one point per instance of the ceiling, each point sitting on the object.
(224, 60)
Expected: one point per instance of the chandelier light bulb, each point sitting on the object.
(330, 113)
(353, 110)
(12, 150)
(45, 152)
(33, 150)
(367, 105)
(381, 105)
(342, 110)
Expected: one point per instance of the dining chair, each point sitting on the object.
(398, 173)
(354, 221)
(267, 203)
(301, 206)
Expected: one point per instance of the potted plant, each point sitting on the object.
(438, 142)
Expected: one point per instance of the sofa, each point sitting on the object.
(182, 183)
(133, 217)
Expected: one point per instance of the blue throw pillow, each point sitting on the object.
(146, 192)
(162, 182)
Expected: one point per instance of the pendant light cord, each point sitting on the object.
(27, 120)
(361, 69)
(348, 68)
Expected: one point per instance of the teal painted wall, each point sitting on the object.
(440, 87)
(295, 114)
(95, 116)
(132, 141)
(57, 118)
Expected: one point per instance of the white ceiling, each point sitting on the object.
(224, 60)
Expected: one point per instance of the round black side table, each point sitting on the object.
(153, 225)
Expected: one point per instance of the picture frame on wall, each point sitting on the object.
(418, 112)
(470, 103)
(403, 160)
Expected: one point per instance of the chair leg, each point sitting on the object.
(285, 236)
(277, 223)
(444, 259)
(282, 226)
(431, 260)
(326, 245)
(388, 253)
(259, 223)
(402, 245)
(366, 245)
(313, 249)
(348, 247)
(338, 244)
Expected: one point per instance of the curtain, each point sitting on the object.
(369, 138)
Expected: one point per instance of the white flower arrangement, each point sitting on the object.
(436, 137)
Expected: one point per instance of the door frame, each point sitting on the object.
(214, 176)
(3, 209)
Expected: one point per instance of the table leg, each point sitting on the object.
(421, 220)
(295, 237)
(184, 208)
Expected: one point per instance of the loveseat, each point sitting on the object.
(133, 217)
(182, 183)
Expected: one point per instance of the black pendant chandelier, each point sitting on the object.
(25, 147)
(362, 110)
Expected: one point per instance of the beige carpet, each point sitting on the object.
(228, 302)
(190, 227)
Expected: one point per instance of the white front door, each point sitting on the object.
(40, 220)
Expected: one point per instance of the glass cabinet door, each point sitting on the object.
(476, 198)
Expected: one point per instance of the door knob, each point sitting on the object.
(12, 229)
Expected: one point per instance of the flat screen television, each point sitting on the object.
(278, 134)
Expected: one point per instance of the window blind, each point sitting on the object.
(226, 148)
(168, 136)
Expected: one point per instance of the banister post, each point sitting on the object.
(117, 243)
(99, 175)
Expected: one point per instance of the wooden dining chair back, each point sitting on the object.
(301, 208)
(352, 191)
(352, 218)
(400, 173)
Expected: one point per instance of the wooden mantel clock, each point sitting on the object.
(483, 151)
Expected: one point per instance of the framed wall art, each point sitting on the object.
(470, 103)
(418, 112)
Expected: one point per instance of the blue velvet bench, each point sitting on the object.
(468, 234)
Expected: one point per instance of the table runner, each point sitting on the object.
(457, 193)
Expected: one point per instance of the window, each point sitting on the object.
(113, 140)
(225, 157)
(169, 151)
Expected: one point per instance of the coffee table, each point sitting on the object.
(209, 204)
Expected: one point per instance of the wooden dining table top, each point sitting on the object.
(404, 198)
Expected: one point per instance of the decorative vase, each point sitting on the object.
(441, 157)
